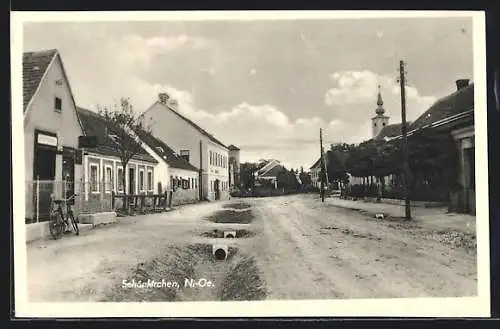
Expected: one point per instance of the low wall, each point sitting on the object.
(181, 196)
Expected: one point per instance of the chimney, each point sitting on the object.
(462, 83)
(163, 97)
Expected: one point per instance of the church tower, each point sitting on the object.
(379, 121)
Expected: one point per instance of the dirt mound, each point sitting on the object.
(231, 217)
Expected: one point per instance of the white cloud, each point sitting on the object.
(262, 131)
(133, 51)
(356, 92)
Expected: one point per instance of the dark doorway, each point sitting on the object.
(44, 169)
(68, 173)
(131, 180)
(217, 189)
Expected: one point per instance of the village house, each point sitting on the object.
(103, 172)
(455, 114)
(51, 131)
(197, 146)
(268, 171)
(173, 172)
(315, 171)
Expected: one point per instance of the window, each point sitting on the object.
(195, 183)
(150, 180)
(141, 180)
(374, 124)
(210, 154)
(185, 155)
(383, 124)
(94, 178)
(171, 182)
(108, 179)
(119, 179)
(57, 104)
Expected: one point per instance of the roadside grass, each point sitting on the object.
(236, 278)
(231, 217)
(243, 282)
(240, 205)
(219, 233)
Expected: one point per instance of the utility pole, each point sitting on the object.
(406, 169)
(322, 161)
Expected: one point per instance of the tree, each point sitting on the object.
(247, 174)
(122, 125)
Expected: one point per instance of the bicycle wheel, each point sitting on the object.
(56, 225)
(73, 222)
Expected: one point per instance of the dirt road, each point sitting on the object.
(302, 248)
(313, 250)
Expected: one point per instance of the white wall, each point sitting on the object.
(43, 116)
(180, 135)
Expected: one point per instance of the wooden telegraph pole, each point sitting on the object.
(406, 169)
(322, 172)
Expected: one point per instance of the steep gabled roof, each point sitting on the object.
(35, 64)
(268, 166)
(273, 172)
(93, 125)
(316, 164)
(165, 152)
(194, 125)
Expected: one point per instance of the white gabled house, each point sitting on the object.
(194, 144)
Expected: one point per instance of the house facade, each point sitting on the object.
(190, 141)
(173, 173)
(315, 171)
(103, 172)
(51, 131)
(269, 172)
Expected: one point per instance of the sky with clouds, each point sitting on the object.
(265, 86)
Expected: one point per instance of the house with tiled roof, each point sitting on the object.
(173, 172)
(51, 131)
(102, 168)
(454, 114)
(199, 147)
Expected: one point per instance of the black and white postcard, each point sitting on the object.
(242, 164)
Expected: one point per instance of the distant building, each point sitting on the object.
(234, 166)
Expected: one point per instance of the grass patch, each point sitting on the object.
(217, 233)
(240, 205)
(243, 282)
(231, 217)
(175, 265)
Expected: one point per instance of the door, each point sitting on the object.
(131, 180)
(217, 189)
(44, 170)
(68, 174)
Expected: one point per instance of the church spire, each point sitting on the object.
(380, 103)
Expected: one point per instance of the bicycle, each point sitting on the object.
(58, 222)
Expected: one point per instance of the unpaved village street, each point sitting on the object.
(290, 247)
